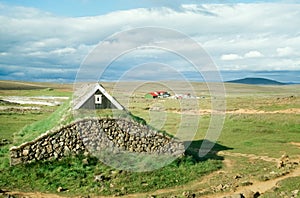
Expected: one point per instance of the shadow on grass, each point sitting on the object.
(192, 148)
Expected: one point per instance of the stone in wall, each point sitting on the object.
(94, 136)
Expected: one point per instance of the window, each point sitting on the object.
(98, 99)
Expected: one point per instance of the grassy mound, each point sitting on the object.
(78, 173)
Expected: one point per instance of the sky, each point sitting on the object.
(48, 40)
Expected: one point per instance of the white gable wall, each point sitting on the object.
(87, 99)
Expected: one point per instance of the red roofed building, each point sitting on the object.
(157, 94)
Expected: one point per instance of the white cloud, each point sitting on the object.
(3, 53)
(285, 51)
(199, 9)
(63, 51)
(253, 54)
(190, 6)
(31, 37)
(230, 57)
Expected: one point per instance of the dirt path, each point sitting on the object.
(257, 186)
(250, 156)
(260, 187)
(240, 111)
(296, 144)
(44, 195)
(34, 195)
(187, 187)
(253, 111)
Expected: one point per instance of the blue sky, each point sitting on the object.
(98, 7)
(47, 40)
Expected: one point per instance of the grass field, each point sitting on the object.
(261, 125)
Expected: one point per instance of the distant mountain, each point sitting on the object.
(257, 81)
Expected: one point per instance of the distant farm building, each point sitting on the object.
(94, 96)
(158, 94)
(184, 96)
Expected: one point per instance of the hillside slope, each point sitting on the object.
(257, 81)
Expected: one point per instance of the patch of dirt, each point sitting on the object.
(296, 144)
(18, 108)
(250, 156)
(239, 111)
(41, 100)
(42, 195)
(254, 186)
(228, 163)
(187, 188)
(260, 187)
(30, 194)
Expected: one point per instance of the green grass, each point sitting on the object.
(4, 157)
(107, 113)
(61, 116)
(12, 122)
(18, 86)
(72, 174)
(259, 134)
(264, 102)
(23, 127)
(263, 134)
(37, 92)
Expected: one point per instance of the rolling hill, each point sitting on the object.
(257, 81)
(20, 85)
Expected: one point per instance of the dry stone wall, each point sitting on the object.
(94, 135)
